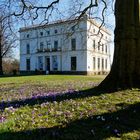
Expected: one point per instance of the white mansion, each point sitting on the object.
(65, 47)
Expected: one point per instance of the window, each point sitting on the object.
(54, 63)
(94, 30)
(61, 30)
(48, 32)
(73, 28)
(55, 45)
(28, 35)
(73, 63)
(40, 62)
(94, 44)
(98, 46)
(102, 64)
(48, 45)
(28, 49)
(41, 46)
(28, 64)
(73, 44)
(55, 31)
(47, 63)
(106, 64)
(106, 48)
(98, 63)
(41, 33)
(94, 63)
(102, 47)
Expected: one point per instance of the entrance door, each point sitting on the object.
(73, 63)
(47, 63)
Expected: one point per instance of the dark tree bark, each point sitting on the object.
(1, 68)
(125, 71)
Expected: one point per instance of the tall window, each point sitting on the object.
(106, 48)
(54, 62)
(102, 47)
(94, 44)
(98, 46)
(48, 45)
(106, 64)
(47, 63)
(41, 46)
(28, 35)
(73, 28)
(40, 62)
(28, 48)
(73, 44)
(102, 64)
(55, 31)
(94, 63)
(48, 32)
(28, 64)
(98, 63)
(73, 63)
(41, 33)
(55, 45)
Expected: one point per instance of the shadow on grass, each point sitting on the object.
(92, 128)
(39, 99)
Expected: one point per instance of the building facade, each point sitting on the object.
(65, 47)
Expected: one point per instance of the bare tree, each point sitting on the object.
(10, 66)
(7, 40)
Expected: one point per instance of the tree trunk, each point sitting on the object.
(1, 68)
(125, 71)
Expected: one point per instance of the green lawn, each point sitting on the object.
(56, 107)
